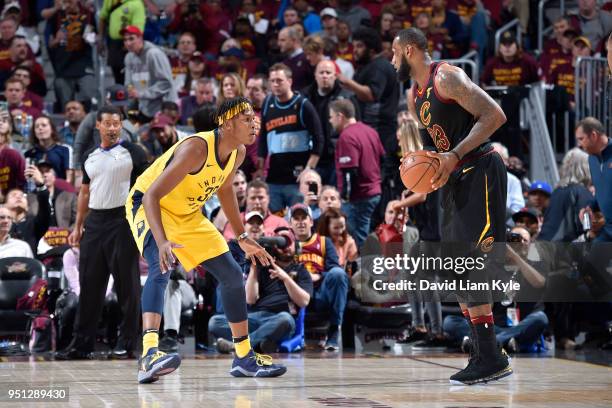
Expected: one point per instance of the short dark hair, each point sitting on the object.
(370, 37)
(412, 36)
(590, 125)
(258, 184)
(204, 118)
(344, 107)
(279, 66)
(169, 105)
(108, 109)
(264, 80)
(15, 38)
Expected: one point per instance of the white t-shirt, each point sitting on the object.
(15, 247)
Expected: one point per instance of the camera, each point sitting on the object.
(271, 243)
(514, 237)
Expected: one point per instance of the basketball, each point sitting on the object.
(416, 171)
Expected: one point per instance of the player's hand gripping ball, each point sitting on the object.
(416, 171)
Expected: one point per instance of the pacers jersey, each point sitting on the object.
(446, 122)
(182, 218)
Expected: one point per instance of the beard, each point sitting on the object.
(364, 59)
(403, 73)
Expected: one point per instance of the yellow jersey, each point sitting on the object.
(182, 217)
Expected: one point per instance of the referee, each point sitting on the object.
(109, 170)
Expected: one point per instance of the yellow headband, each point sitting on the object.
(241, 107)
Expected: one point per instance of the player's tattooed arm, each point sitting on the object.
(452, 83)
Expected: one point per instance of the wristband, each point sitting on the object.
(242, 236)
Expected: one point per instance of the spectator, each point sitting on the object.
(353, 14)
(435, 40)
(162, 135)
(10, 247)
(530, 219)
(204, 118)
(24, 74)
(358, 158)
(62, 203)
(512, 66)
(563, 75)
(557, 50)
(204, 95)
(376, 89)
(310, 20)
(118, 15)
(514, 198)
(329, 21)
(26, 20)
(71, 55)
(46, 147)
(313, 50)
(591, 137)
(148, 76)
(448, 23)
(331, 52)
(562, 218)
(595, 24)
(553, 46)
(318, 254)
(232, 86)
(12, 164)
(332, 224)
(539, 195)
(274, 294)
(256, 90)
(291, 17)
(293, 142)
(8, 29)
(310, 185)
(178, 297)
(384, 25)
(186, 46)
(14, 92)
(329, 197)
(258, 199)
(21, 55)
(290, 43)
(474, 17)
(321, 93)
(533, 321)
(28, 227)
(109, 170)
(197, 69)
(74, 113)
(345, 46)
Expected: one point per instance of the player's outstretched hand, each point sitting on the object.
(255, 252)
(167, 260)
(448, 162)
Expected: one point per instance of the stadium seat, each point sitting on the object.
(295, 343)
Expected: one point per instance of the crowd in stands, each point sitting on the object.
(323, 174)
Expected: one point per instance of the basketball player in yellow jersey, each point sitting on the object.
(164, 212)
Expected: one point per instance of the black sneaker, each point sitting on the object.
(467, 346)
(169, 344)
(483, 370)
(431, 343)
(74, 353)
(414, 336)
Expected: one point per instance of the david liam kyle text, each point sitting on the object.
(494, 285)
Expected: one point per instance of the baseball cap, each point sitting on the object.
(233, 52)
(507, 38)
(299, 207)
(117, 94)
(161, 120)
(542, 186)
(249, 216)
(131, 29)
(42, 163)
(582, 39)
(525, 211)
(13, 6)
(328, 11)
(197, 56)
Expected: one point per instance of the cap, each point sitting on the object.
(252, 214)
(233, 52)
(44, 163)
(161, 120)
(507, 38)
(525, 211)
(197, 56)
(118, 95)
(13, 5)
(131, 29)
(328, 11)
(582, 39)
(542, 186)
(299, 207)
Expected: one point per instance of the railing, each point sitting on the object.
(516, 22)
(541, 30)
(99, 61)
(592, 90)
(469, 60)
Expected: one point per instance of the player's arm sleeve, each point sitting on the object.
(312, 122)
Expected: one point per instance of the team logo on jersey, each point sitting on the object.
(439, 138)
(428, 91)
(140, 227)
(487, 244)
(424, 113)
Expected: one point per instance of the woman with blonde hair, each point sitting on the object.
(232, 86)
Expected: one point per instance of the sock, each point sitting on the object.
(150, 339)
(484, 329)
(242, 345)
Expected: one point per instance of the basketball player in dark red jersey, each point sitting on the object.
(457, 118)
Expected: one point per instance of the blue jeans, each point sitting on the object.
(528, 331)
(359, 214)
(283, 195)
(262, 326)
(331, 295)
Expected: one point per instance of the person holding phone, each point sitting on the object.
(310, 185)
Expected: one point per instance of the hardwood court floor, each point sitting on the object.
(317, 381)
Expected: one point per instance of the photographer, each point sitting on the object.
(179, 296)
(274, 294)
(525, 321)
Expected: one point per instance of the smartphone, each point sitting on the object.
(313, 188)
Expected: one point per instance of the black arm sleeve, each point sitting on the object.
(349, 182)
(312, 122)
